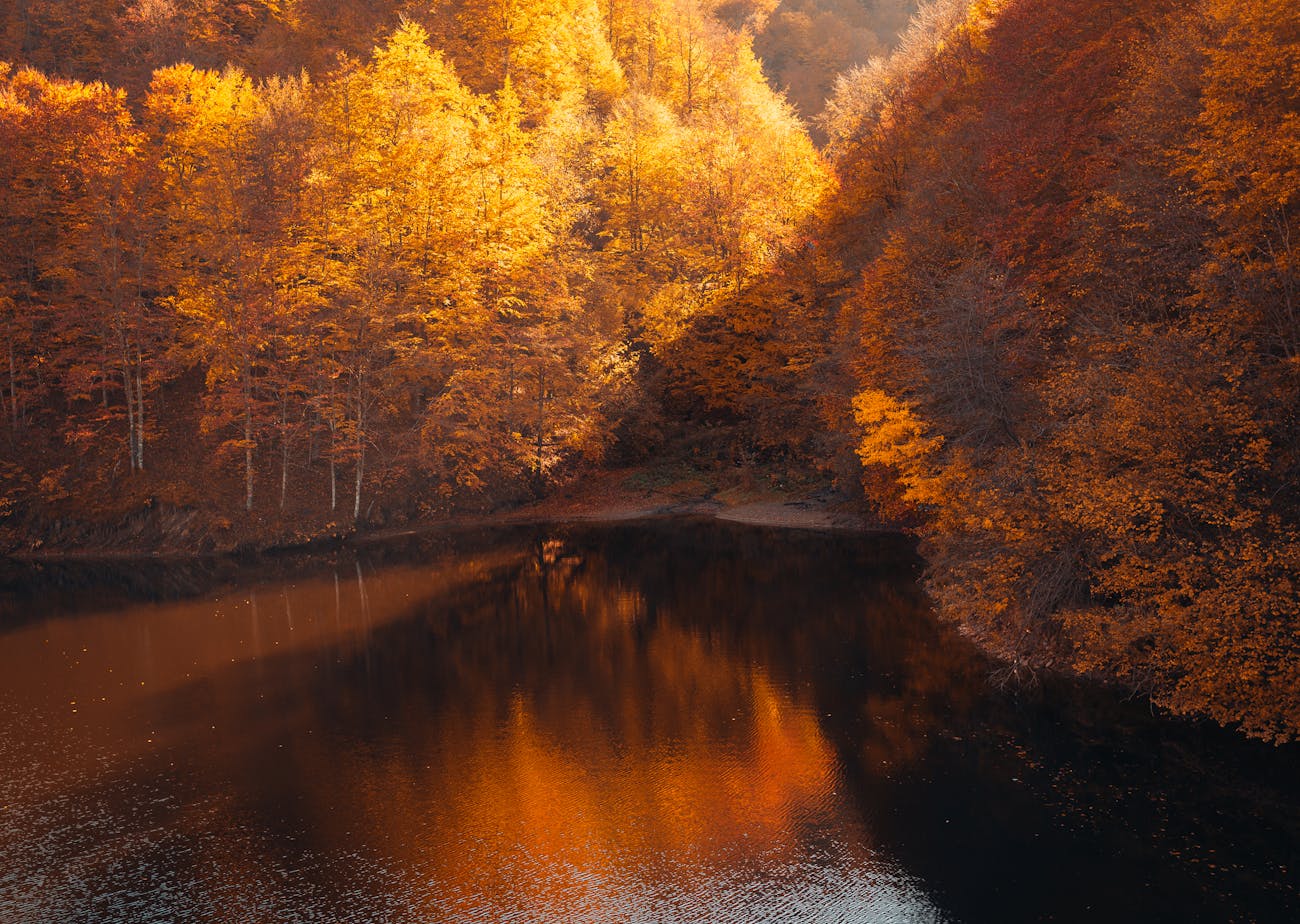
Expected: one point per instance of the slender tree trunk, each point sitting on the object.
(104, 379)
(356, 506)
(130, 391)
(650, 58)
(361, 445)
(541, 417)
(512, 387)
(130, 413)
(13, 385)
(139, 410)
(284, 446)
(248, 447)
(333, 452)
(334, 446)
(361, 460)
(690, 78)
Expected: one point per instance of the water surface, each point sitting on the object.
(673, 721)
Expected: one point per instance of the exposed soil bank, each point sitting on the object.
(660, 490)
(633, 494)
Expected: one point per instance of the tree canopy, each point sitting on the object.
(1035, 297)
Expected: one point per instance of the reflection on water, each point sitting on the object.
(662, 722)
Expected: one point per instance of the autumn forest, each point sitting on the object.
(1017, 276)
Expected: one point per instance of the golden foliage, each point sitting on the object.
(1077, 363)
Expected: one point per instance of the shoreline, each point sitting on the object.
(604, 499)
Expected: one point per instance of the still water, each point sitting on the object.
(654, 722)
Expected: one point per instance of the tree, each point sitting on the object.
(641, 153)
(221, 256)
(553, 53)
(29, 211)
(397, 213)
(1244, 158)
(81, 189)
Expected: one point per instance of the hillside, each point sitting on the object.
(285, 270)
(432, 277)
(1069, 230)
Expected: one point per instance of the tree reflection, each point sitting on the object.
(682, 721)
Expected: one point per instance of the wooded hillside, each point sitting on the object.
(1074, 337)
(432, 272)
(304, 265)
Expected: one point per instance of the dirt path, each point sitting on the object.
(618, 496)
(795, 514)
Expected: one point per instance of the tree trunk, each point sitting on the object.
(334, 447)
(13, 385)
(139, 411)
(284, 449)
(541, 418)
(248, 451)
(361, 459)
(361, 447)
(130, 413)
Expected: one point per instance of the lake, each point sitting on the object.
(678, 720)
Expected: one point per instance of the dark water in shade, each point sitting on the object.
(676, 721)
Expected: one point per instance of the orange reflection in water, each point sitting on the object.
(540, 819)
(526, 731)
(701, 724)
(86, 677)
(641, 757)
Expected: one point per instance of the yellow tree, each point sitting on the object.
(78, 265)
(476, 334)
(106, 263)
(31, 132)
(756, 176)
(697, 48)
(397, 195)
(751, 178)
(553, 52)
(221, 240)
(534, 348)
(641, 154)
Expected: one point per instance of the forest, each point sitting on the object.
(1019, 275)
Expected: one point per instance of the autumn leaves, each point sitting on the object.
(1074, 336)
(433, 268)
(1047, 293)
